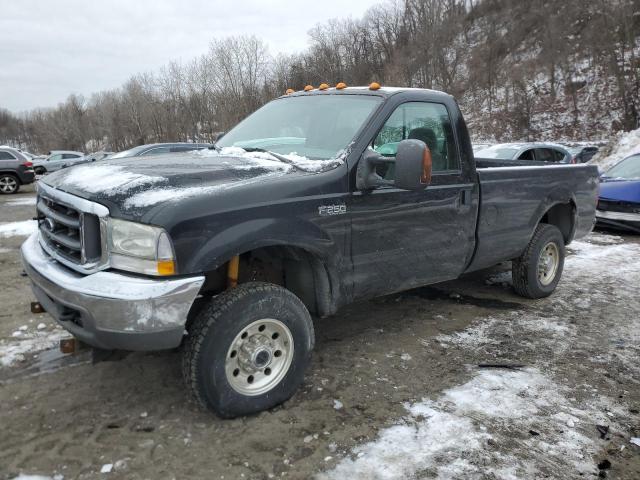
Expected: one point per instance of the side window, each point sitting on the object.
(184, 148)
(544, 155)
(526, 155)
(558, 155)
(424, 121)
(6, 156)
(57, 156)
(69, 155)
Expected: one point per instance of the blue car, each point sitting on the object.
(619, 200)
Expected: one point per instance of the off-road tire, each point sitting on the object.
(10, 184)
(524, 270)
(214, 329)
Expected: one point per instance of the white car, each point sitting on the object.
(56, 160)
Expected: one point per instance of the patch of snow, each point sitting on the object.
(626, 144)
(18, 229)
(405, 357)
(106, 179)
(337, 404)
(27, 201)
(14, 351)
(106, 468)
(449, 437)
(635, 441)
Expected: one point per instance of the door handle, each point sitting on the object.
(465, 196)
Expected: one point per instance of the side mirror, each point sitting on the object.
(412, 166)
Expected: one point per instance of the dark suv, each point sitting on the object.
(15, 170)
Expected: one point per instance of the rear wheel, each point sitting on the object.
(39, 170)
(248, 349)
(9, 183)
(537, 271)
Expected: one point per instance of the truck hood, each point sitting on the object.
(621, 190)
(137, 184)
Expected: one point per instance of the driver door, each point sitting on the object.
(403, 239)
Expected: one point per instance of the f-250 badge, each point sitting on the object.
(326, 210)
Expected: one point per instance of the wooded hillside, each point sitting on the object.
(540, 69)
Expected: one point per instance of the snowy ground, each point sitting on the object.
(452, 435)
(464, 380)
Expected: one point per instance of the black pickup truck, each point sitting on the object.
(318, 199)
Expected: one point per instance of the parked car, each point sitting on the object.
(56, 160)
(16, 169)
(619, 198)
(582, 154)
(159, 149)
(228, 255)
(540, 152)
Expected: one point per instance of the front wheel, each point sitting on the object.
(537, 271)
(248, 349)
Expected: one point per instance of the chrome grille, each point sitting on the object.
(72, 229)
(60, 226)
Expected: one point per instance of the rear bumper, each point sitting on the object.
(111, 310)
(26, 176)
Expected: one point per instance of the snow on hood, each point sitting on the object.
(627, 144)
(146, 181)
(105, 178)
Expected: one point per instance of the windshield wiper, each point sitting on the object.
(273, 154)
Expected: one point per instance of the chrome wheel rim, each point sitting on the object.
(548, 263)
(259, 357)
(8, 184)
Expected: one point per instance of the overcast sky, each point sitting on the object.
(51, 48)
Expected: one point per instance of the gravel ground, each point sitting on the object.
(396, 389)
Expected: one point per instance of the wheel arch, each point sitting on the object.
(562, 215)
(308, 272)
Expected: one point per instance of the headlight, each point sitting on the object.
(140, 248)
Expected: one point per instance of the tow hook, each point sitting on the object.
(72, 345)
(36, 307)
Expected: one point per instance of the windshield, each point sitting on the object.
(500, 153)
(318, 127)
(628, 168)
(127, 153)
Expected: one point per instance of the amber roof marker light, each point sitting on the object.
(374, 86)
(289, 91)
(323, 86)
(341, 85)
(308, 88)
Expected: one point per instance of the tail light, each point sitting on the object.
(28, 164)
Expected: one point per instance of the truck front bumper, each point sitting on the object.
(111, 310)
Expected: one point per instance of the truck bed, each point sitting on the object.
(514, 198)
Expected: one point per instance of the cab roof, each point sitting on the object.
(365, 90)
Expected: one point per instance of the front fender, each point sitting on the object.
(257, 233)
